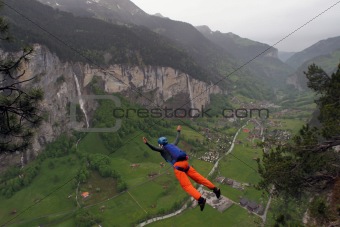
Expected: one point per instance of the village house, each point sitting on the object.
(252, 206)
(85, 194)
(220, 180)
(229, 181)
(243, 202)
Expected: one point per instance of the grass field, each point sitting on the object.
(234, 216)
(53, 190)
(153, 194)
(292, 124)
(49, 180)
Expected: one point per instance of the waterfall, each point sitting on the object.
(190, 93)
(22, 161)
(81, 101)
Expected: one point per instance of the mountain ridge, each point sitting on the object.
(259, 58)
(207, 53)
(322, 47)
(326, 62)
(102, 42)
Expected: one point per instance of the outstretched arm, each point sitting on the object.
(151, 146)
(179, 128)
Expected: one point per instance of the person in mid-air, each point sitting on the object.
(178, 158)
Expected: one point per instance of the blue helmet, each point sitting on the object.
(162, 140)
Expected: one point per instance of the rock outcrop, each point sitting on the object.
(59, 82)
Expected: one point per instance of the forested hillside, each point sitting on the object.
(95, 40)
(322, 47)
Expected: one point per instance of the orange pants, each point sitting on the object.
(193, 174)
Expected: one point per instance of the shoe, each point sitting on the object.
(201, 202)
(217, 192)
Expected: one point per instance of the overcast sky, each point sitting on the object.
(265, 21)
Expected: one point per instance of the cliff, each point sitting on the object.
(62, 82)
(165, 83)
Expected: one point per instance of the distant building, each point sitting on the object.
(215, 201)
(209, 195)
(246, 130)
(220, 180)
(236, 185)
(224, 205)
(243, 202)
(229, 182)
(252, 206)
(85, 194)
(220, 204)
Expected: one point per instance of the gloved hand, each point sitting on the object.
(179, 128)
(145, 140)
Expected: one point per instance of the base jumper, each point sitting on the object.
(179, 160)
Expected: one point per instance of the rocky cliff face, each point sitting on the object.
(297, 82)
(165, 82)
(59, 82)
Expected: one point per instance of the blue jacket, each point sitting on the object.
(165, 154)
